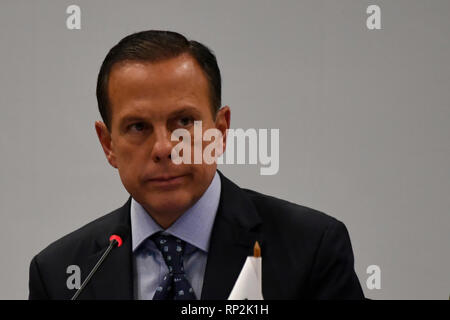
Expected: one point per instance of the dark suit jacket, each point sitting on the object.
(306, 254)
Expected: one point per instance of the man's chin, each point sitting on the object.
(170, 204)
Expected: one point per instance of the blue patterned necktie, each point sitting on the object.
(174, 285)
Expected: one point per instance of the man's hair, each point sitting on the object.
(156, 46)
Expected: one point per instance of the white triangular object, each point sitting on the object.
(248, 285)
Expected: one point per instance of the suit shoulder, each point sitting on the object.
(83, 238)
(289, 214)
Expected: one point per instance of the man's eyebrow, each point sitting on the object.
(130, 118)
(184, 110)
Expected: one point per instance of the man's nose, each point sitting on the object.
(163, 145)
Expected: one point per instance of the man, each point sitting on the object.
(191, 228)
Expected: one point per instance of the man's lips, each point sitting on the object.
(166, 180)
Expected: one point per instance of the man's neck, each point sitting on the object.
(165, 219)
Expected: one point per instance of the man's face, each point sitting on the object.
(148, 101)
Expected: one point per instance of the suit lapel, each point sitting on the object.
(235, 230)
(114, 278)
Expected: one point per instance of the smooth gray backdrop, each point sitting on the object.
(364, 119)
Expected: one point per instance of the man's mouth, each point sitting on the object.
(166, 180)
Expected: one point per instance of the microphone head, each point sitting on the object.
(120, 234)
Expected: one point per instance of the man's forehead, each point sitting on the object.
(173, 77)
(158, 90)
(178, 68)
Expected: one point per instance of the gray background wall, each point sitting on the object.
(364, 119)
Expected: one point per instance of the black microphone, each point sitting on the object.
(115, 240)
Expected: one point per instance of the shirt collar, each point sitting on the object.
(194, 226)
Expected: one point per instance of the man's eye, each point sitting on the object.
(139, 126)
(185, 121)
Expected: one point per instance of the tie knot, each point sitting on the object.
(172, 250)
(167, 242)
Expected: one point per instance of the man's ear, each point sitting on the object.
(223, 123)
(104, 137)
